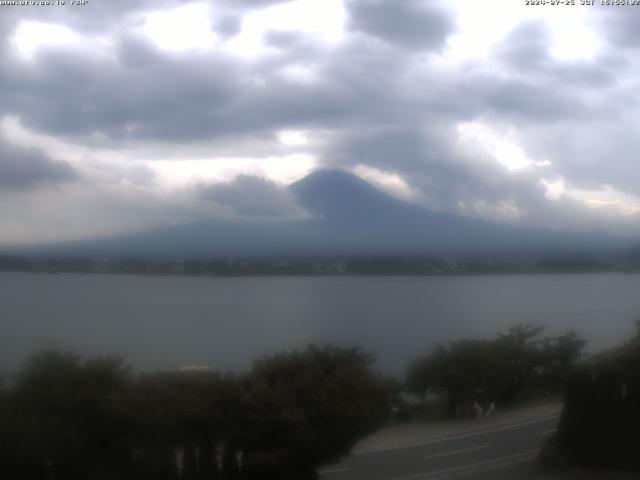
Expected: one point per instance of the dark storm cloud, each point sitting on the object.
(22, 169)
(254, 197)
(411, 24)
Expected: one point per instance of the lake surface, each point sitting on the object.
(166, 322)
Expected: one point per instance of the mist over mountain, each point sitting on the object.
(349, 217)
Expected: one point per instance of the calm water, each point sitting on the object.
(167, 322)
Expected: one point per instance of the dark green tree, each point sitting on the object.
(186, 412)
(518, 353)
(74, 419)
(513, 365)
(68, 418)
(558, 358)
(310, 407)
(600, 423)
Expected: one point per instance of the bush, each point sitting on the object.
(514, 365)
(66, 418)
(600, 424)
(313, 406)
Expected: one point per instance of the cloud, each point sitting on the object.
(99, 17)
(151, 95)
(620, 26)
(148, 95)
(388, 94)
(22, 169)
(527, 49)
(406, 23)
(429, 161)
(84, 210)
(254, 198)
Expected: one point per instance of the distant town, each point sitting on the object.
(321, 266)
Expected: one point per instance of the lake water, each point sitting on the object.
(167, 322)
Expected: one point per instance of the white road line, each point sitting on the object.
(456, 437)
(333, 470)
(517, 456)
(455, 452)
(548, 432)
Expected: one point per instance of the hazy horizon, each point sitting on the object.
(125, 116)
(339, 215)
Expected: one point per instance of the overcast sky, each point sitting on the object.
(122, 115)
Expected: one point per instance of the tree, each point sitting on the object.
(600, 423)
(519, 354)
(426, 373)
(6, 458)
(310, 407)
(187, 412)
(74, 419)
(559, 355)
(68, 418)
(516, 363)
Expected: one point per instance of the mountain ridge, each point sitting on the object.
(350, 217)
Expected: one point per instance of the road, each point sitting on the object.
(503, 452)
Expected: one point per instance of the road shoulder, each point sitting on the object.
(416, 433)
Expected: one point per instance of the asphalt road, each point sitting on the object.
(505, 452)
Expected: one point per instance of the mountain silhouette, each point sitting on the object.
(349, 217)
